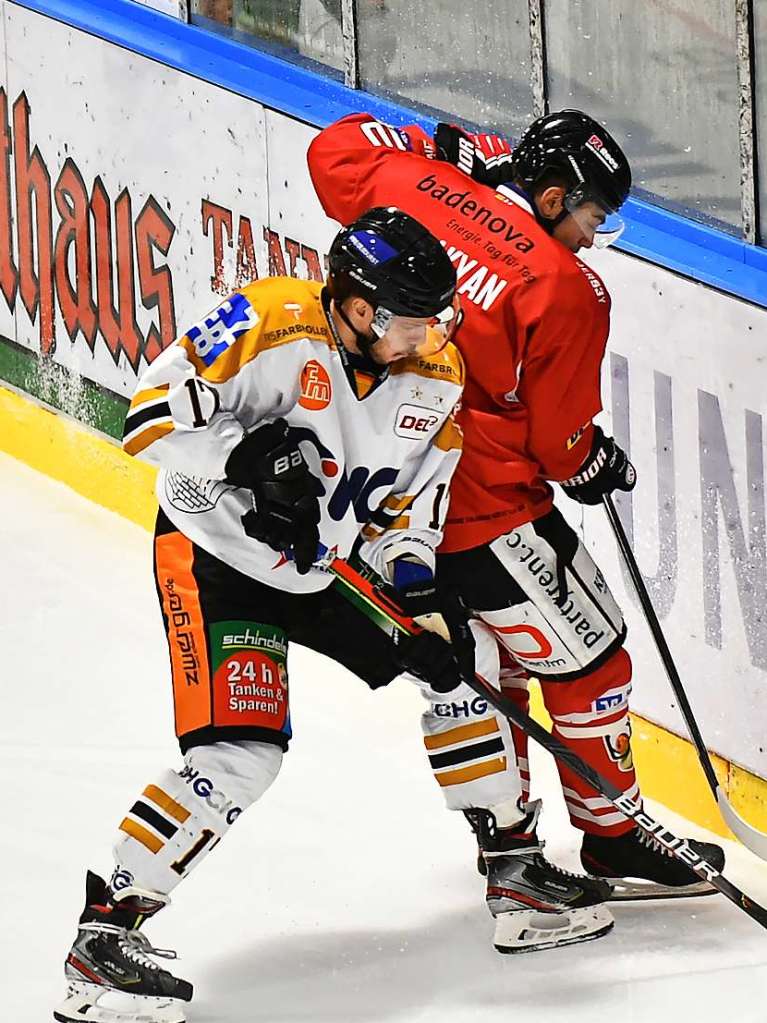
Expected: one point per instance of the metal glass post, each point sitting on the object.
(351, 50)
(744, 29)
(538, 58)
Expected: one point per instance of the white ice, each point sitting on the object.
(348, 893)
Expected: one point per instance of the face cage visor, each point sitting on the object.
(420, 336)
(594, 216)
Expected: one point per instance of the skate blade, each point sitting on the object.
(531, 931)
(95, 1004)
(631, 890)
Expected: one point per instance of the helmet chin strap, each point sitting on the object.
(547, 224)
(364, 341)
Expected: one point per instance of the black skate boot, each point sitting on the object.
(640, 867)
(536, 905)
(110, 977)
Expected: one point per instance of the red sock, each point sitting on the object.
(590, 715)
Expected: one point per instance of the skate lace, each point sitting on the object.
(558, 870)
(133, 944)
(651, 842)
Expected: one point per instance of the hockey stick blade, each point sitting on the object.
(381, 609)
(751, 837)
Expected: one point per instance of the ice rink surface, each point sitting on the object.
(348, 893)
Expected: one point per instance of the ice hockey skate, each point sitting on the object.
(110, 970)
(639, 867)
(536, 905)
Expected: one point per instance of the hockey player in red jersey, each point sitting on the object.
(534, 336)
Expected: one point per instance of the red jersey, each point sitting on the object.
(535, 328)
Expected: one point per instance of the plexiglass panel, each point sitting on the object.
(471, 61)
(304, 28)
(663, 78)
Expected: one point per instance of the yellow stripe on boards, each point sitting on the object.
(91, 464)
(96, 468)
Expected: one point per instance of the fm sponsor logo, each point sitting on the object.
(316, 389)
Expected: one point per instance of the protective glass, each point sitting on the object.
(421, 336)
(597, 221)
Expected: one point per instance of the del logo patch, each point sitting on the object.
(415, 421)
(316, 391)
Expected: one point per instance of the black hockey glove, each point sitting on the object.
(285, 512)
(430, 657)
(485, 158)
(441, 664)
(607, 468)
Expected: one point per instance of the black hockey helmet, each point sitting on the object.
(573, 144)
(393, 262)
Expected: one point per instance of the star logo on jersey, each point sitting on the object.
(416, 393)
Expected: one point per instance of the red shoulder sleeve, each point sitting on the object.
(344, 157)
(560, 383)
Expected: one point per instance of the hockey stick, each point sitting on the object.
(370, 599)
(752, 838)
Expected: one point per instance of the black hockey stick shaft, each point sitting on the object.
(660, 642)
(384, 612)
(751, 837)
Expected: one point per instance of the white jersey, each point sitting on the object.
(384, 453)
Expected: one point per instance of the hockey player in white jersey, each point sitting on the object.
(291, 413)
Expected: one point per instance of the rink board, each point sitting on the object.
(95, 467)
(127, 213)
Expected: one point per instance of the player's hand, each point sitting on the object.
(607, 468)
(485, 158)
(430, 657)
(286, 512)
